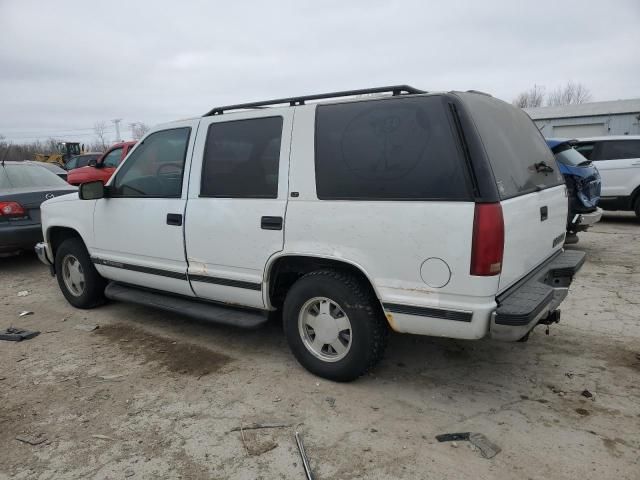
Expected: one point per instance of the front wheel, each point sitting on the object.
(80, 282)
(334, 325)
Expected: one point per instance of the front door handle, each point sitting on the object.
(174, 219)
(271, 223)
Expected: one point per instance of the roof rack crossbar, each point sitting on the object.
(294, 101)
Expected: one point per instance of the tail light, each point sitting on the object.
(488, 240)
(11, 209)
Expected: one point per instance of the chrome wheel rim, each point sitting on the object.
(73, 275)
(325, 329)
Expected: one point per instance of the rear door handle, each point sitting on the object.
(271, 223)
(544, 213)
(174, 219)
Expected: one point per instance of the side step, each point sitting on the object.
(195, 308)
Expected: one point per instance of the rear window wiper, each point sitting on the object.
(543, 167)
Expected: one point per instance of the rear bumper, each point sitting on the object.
(582, 221)
(531, 300)
(19, 237)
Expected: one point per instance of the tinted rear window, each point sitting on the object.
(392, 149)
(619, 150)
(514, 146)
(27, 175)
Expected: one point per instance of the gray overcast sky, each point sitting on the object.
(66, 64)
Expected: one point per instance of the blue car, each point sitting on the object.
(583, 185)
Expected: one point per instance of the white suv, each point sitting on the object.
(428, 213)
(618, 161)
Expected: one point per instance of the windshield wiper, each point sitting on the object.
(543, 167)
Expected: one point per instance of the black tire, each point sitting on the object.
(369, 328)
(636, 206)
(92, 291)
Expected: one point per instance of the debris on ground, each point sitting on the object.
(24, 313)
(303, 455)
(13, 334)
(101, 437)
(111, 377)
(253, 446)
(586, 393)
(86, 328)
(451, 437)
(23, 293)
(32, 439)
(129, 473)
(487, 448)
(257, 426)
(331, 401)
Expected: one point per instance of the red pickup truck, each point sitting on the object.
(104, 166)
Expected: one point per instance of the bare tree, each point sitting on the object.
(138, 130)
(533, 97)
(571, 94)
(100, 129)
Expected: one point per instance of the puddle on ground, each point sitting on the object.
(180, 357)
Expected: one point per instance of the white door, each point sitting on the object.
(618, 162)
(237, 201)
(139, 227)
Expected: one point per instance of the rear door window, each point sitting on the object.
(514, 145)
(242, 158)
(391, 149)
(619, 150)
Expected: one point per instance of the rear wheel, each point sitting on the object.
(334, 325)
(80, 282)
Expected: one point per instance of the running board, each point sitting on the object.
(184, 306)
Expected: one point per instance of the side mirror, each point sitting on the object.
(91, 190)
(92, 163)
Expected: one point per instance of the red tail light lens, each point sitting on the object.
(488, 240)
(11, 209)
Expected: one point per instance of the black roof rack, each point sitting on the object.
(293, 101)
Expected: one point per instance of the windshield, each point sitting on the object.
(571, 157)
(21, 176)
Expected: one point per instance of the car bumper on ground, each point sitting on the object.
(582, 221)
(14, 238)
(535, 299)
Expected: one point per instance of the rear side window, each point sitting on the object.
(241, 159)
(619, 150)
(392, 149)
(513, 145)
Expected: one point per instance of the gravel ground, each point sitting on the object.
(152, 395)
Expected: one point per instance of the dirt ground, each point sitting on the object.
(153, 395)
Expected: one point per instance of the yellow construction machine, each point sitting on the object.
(65, 150)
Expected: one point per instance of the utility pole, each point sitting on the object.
(117, 121)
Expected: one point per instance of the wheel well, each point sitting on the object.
(285, 271)
(57, 235)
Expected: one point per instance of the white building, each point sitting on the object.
(616, 117)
